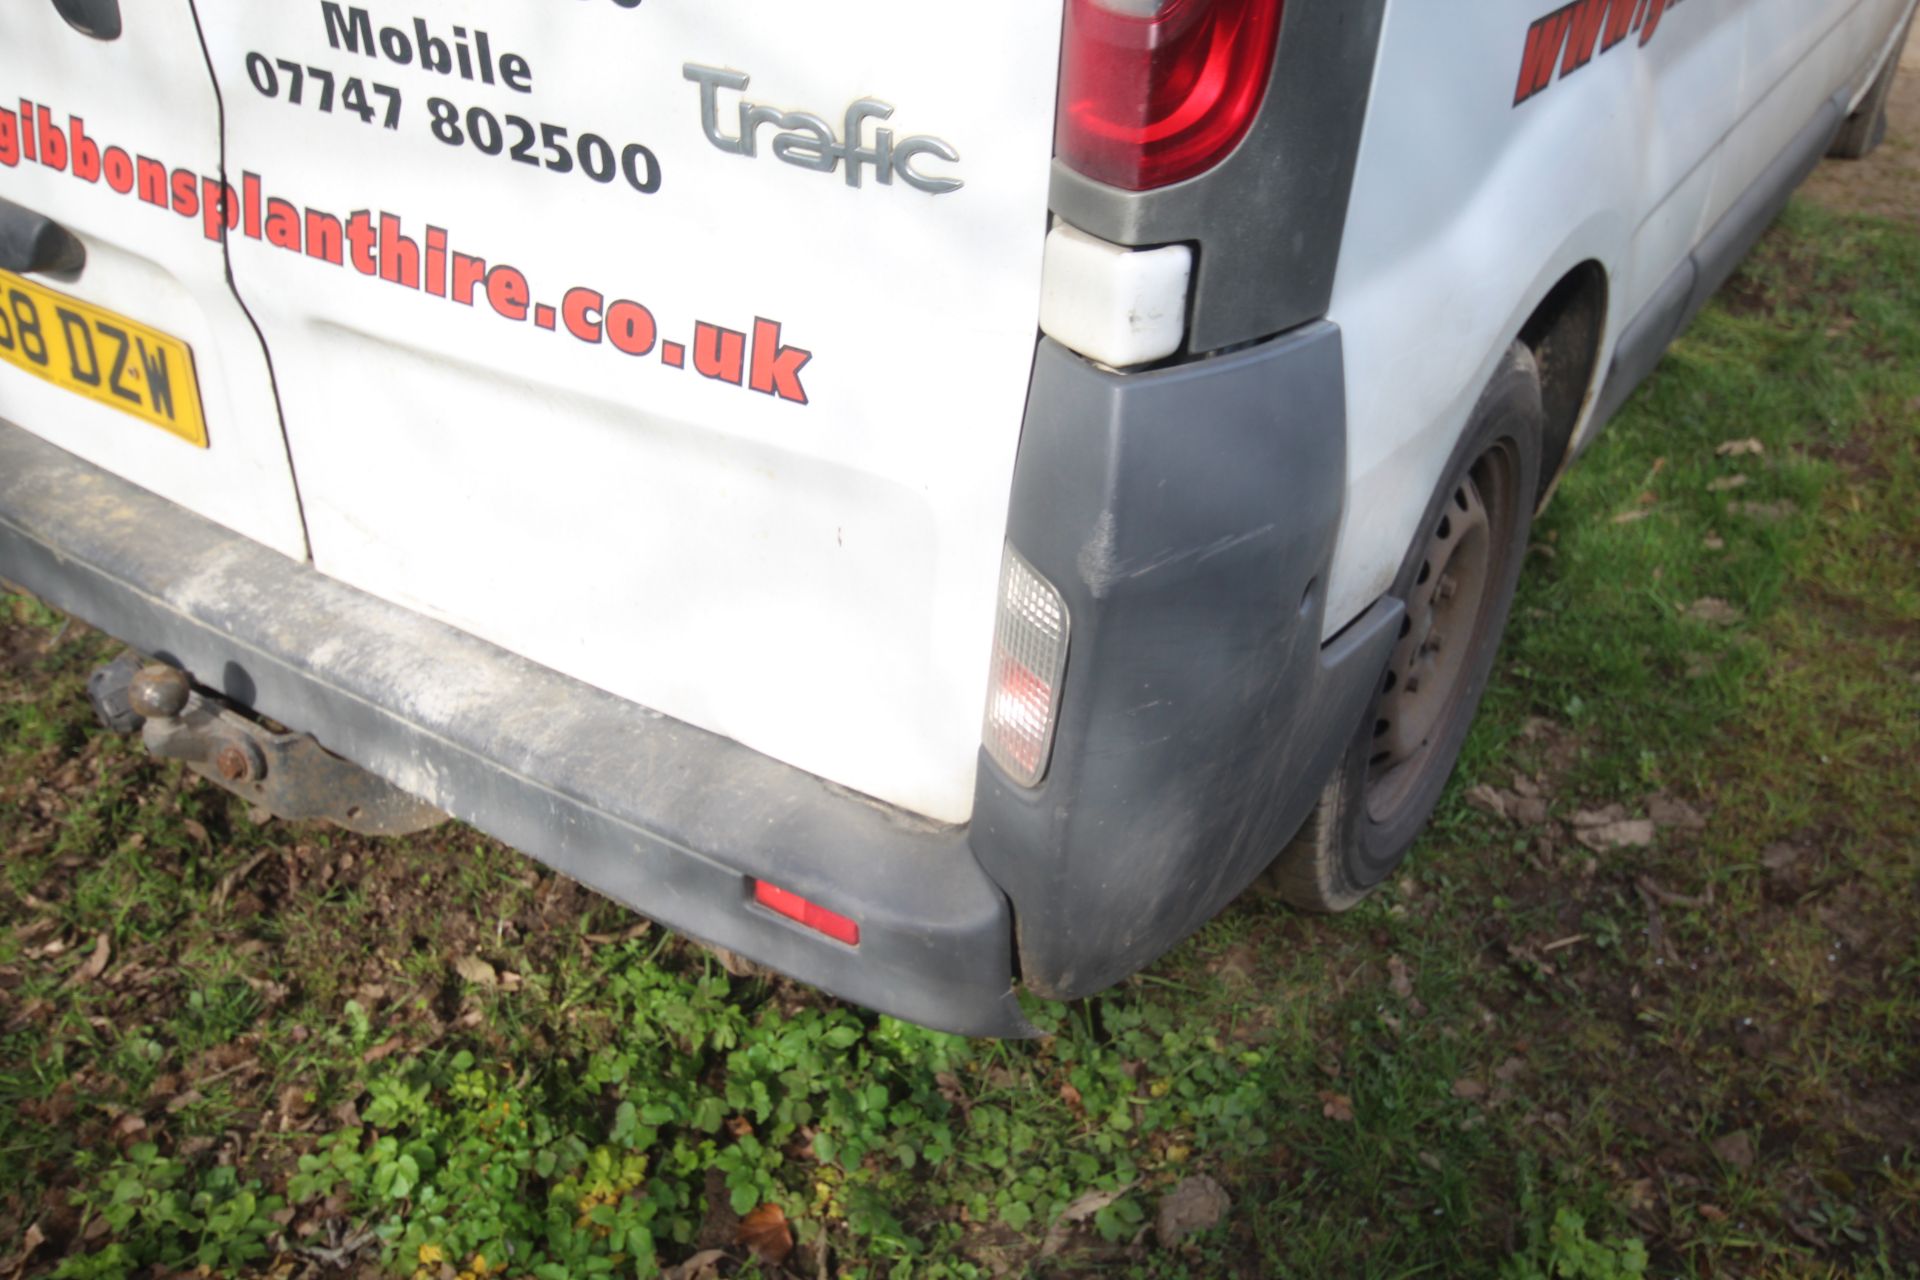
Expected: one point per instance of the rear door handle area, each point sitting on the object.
(97, 18)
(31, 241)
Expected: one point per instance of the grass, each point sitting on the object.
(1538, 1052)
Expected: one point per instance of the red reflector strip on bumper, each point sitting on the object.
(812, 915)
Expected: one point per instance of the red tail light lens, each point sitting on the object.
(1153, 93)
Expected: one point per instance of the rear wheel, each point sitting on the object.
(1457, 584)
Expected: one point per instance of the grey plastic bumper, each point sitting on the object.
(667, 818)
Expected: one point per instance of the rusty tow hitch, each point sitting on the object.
(288, 774)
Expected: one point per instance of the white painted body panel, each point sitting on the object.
(1798, 55)
(147, 94)
(814, 580)
(1466, 209)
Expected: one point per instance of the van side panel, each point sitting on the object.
(1508, 142)
(1489, 168)
(1798, 56)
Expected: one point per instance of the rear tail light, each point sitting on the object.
(1154, 91)
(810, 914)
(1029, 658)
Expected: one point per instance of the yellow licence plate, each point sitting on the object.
(101, 355)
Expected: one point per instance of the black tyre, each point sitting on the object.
(1457, 583)
(1866, 128)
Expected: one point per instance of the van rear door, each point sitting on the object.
(139, 360)
(679, 347)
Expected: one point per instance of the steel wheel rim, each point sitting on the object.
(1450, 608)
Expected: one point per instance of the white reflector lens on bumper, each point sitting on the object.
(1029, 658)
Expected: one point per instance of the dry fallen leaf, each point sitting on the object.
(1735, 1148)
(766, 1233)
(1630, 833)
(1194, 1205)
(1649, 887)
(1670, 811)
(1528, 811)
(1079, 1211)
(29, 1244)
(736, 965)
(1779, 856)
(1738, 448)
(233, 879)
(476, 971)
(1714, 611)
(1764, 512)
(1487, 800)
(1724, 483)
(296, 1101)
(609, 939)
(1069, 1094)
(952, 1090)
(1714, 542)
(95, 966)
(704, 1265)
(385, 1049)
(1469, 1089)
(1337, 1107)
(1399, 978)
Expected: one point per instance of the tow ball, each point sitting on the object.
(290, 775)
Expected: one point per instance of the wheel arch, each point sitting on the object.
(1565, 333)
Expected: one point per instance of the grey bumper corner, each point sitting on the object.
(1188, 518)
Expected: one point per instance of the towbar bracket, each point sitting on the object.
(290, 775)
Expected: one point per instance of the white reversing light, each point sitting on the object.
(1029, 658)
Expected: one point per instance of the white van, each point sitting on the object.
(653, 431)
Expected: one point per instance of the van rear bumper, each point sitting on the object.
(667, 818)
(1187, 516)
